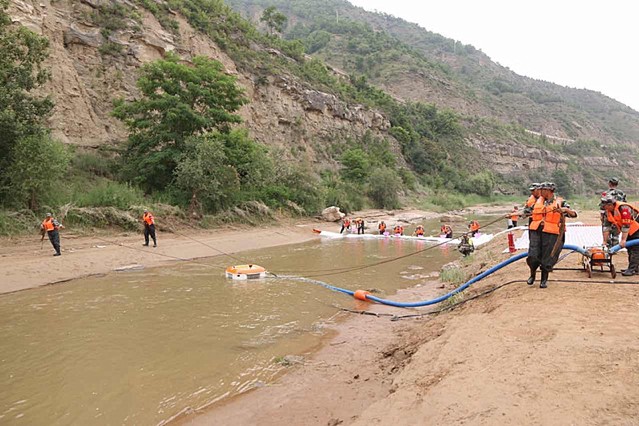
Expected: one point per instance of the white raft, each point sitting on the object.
(477, 240)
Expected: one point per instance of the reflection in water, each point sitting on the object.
(139, 347)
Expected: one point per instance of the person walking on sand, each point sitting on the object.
(50, 226)
(149, 228)
(544, 232)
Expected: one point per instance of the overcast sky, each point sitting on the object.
(583, 44)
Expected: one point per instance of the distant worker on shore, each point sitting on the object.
(473, 227)
(446, 231)
(466, 246)
(359, 224)
(149, 228)
(625, 216)
(381, 227)
(535, 193)
(546, 232)
(419, 231)
(50, 227)
(346, 224)
(513, 217)
(398, 230)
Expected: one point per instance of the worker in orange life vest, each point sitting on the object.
(50, 226)
(398, 230)
(473, 226)
(381, 227)
(625, 217)
(513, 217)
(149, 228)
(419, 231)
(447, 231)
(543, 232)
(535, 192)
(346, 224)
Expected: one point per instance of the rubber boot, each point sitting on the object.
(544, 279)
(531, 278)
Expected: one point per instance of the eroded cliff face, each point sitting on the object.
(282, 111)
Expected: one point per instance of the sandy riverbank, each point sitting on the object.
(568, 354)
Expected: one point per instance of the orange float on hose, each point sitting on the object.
(361, 295)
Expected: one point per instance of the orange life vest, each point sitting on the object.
(419, 230)
(398, 229)
(382, 227)
(347, 222)
(148, 218)
(48, 225)
(531, 201)
(549, 215)
(474, 225)
(514, 216)
(615, 217)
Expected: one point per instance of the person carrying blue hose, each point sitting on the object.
(545, 232)
(625, 217)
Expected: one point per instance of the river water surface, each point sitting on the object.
(141, 347)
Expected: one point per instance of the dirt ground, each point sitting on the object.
(568, 354)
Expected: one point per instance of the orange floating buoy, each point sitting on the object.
(361, 295)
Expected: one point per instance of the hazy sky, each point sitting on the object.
(583, 44)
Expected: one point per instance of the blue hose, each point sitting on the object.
(452, 293)
(630, 243)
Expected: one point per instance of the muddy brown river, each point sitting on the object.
(142, 346)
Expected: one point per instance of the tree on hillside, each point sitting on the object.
(274, 19)
(178, 101)
(21, 55)
(37, 166)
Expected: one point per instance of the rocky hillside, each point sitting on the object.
(94, 59)
(415, 64)
(518, 128)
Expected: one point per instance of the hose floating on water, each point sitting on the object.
(439, 299)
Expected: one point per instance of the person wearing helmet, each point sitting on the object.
(544, 231)
(535, 192)
(625, 216)
(611, 229)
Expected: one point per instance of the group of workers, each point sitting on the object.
(50, 226)
(546, 227)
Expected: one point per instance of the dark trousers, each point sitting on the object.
(360, 228)
(540, 251)
(149, 230)
(54, 237)
(633, 253)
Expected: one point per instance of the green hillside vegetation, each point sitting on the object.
(189, 157)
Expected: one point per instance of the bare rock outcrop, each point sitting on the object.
(332, 214)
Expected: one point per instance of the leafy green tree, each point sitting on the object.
(21, 112)
(274, 20)
(356, 165)
(39, 163)
(178, 101)
(383, 187)
(203, 172)
(250, 160)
